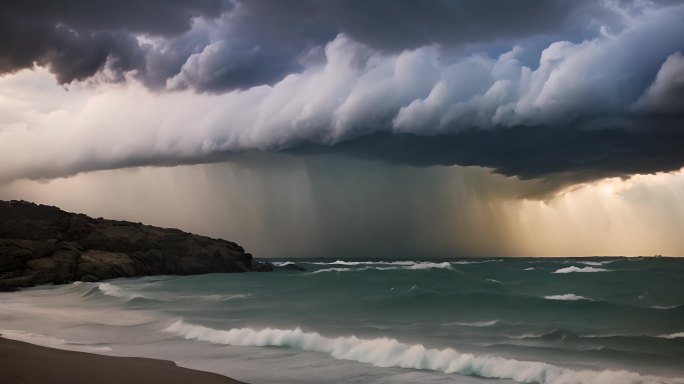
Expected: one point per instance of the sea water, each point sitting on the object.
(527, 320)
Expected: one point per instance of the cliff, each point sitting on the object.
(41, 244)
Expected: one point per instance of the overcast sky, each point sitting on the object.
(542, 97)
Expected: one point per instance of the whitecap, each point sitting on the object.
(597, 263)
(476, 324)
(665, 307)
(425, 265)
(116, 291)
(567, 297)
(676, 335)
(578, 269)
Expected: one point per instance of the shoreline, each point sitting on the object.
(25, 363)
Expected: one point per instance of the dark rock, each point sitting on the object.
(41, 244)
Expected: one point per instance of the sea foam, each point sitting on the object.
(673, 335)
(49, 341)
(567, 297)
(416, 266)
(387, 352)
(578, 269)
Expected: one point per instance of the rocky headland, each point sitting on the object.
(42, 244)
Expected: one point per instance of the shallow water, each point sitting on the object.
(607, 320)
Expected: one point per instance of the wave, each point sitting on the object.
(561, 334)
(676, 335)
(109, 289)
(667, 307)
(567, 297)
(386, 352)
(216, 297)
(415, 267)
(597, 263)
(578, 269)
(477, 324)
(465, 262)
(339, 270)
(355, 263)
(49, 341)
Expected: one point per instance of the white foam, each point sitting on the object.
(464, 262)
(673, 335)
(597, 263)
(339, 270)
(477, 324)
(578, 269)
(664, 307)
(567, 297)
(48, 341)
(283, 263)
(428, 265)
(386, 352)
(116, 291)
(530, 269)
(415, 266)
(355, 263)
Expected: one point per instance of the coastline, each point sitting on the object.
(27, 363)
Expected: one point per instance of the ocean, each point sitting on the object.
(523, 320)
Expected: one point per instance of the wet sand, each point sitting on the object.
(32, 364)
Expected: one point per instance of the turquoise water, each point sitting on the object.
(601, 320)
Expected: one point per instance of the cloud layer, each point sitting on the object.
(584, 90)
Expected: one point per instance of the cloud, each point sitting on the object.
(569, 112)
(76, 39)
(219, 45)
(666, 94)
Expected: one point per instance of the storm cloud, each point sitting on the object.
(567, 91)
(220, 45)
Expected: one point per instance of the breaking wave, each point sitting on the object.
(116, 291)
(597, 263)
(676, 335)
(386, 352)
(567, 297)
(476, 324)
(582, 269)
(413, 266)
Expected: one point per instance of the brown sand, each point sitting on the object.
(31, 364)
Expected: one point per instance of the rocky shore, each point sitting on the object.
(42, 244)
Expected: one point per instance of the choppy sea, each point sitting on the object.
(526, 320)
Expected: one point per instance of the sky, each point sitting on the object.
(346, 129)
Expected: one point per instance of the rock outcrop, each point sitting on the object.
(41, 244)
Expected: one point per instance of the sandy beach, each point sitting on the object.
(31, 364)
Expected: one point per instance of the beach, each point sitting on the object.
(24, 363)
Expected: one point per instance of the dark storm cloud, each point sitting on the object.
(562, 156)
(246, 43)
(75, 38)
(600, 96)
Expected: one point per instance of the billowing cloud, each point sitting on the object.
(220, 45)
(666, 94)
(569, 100)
